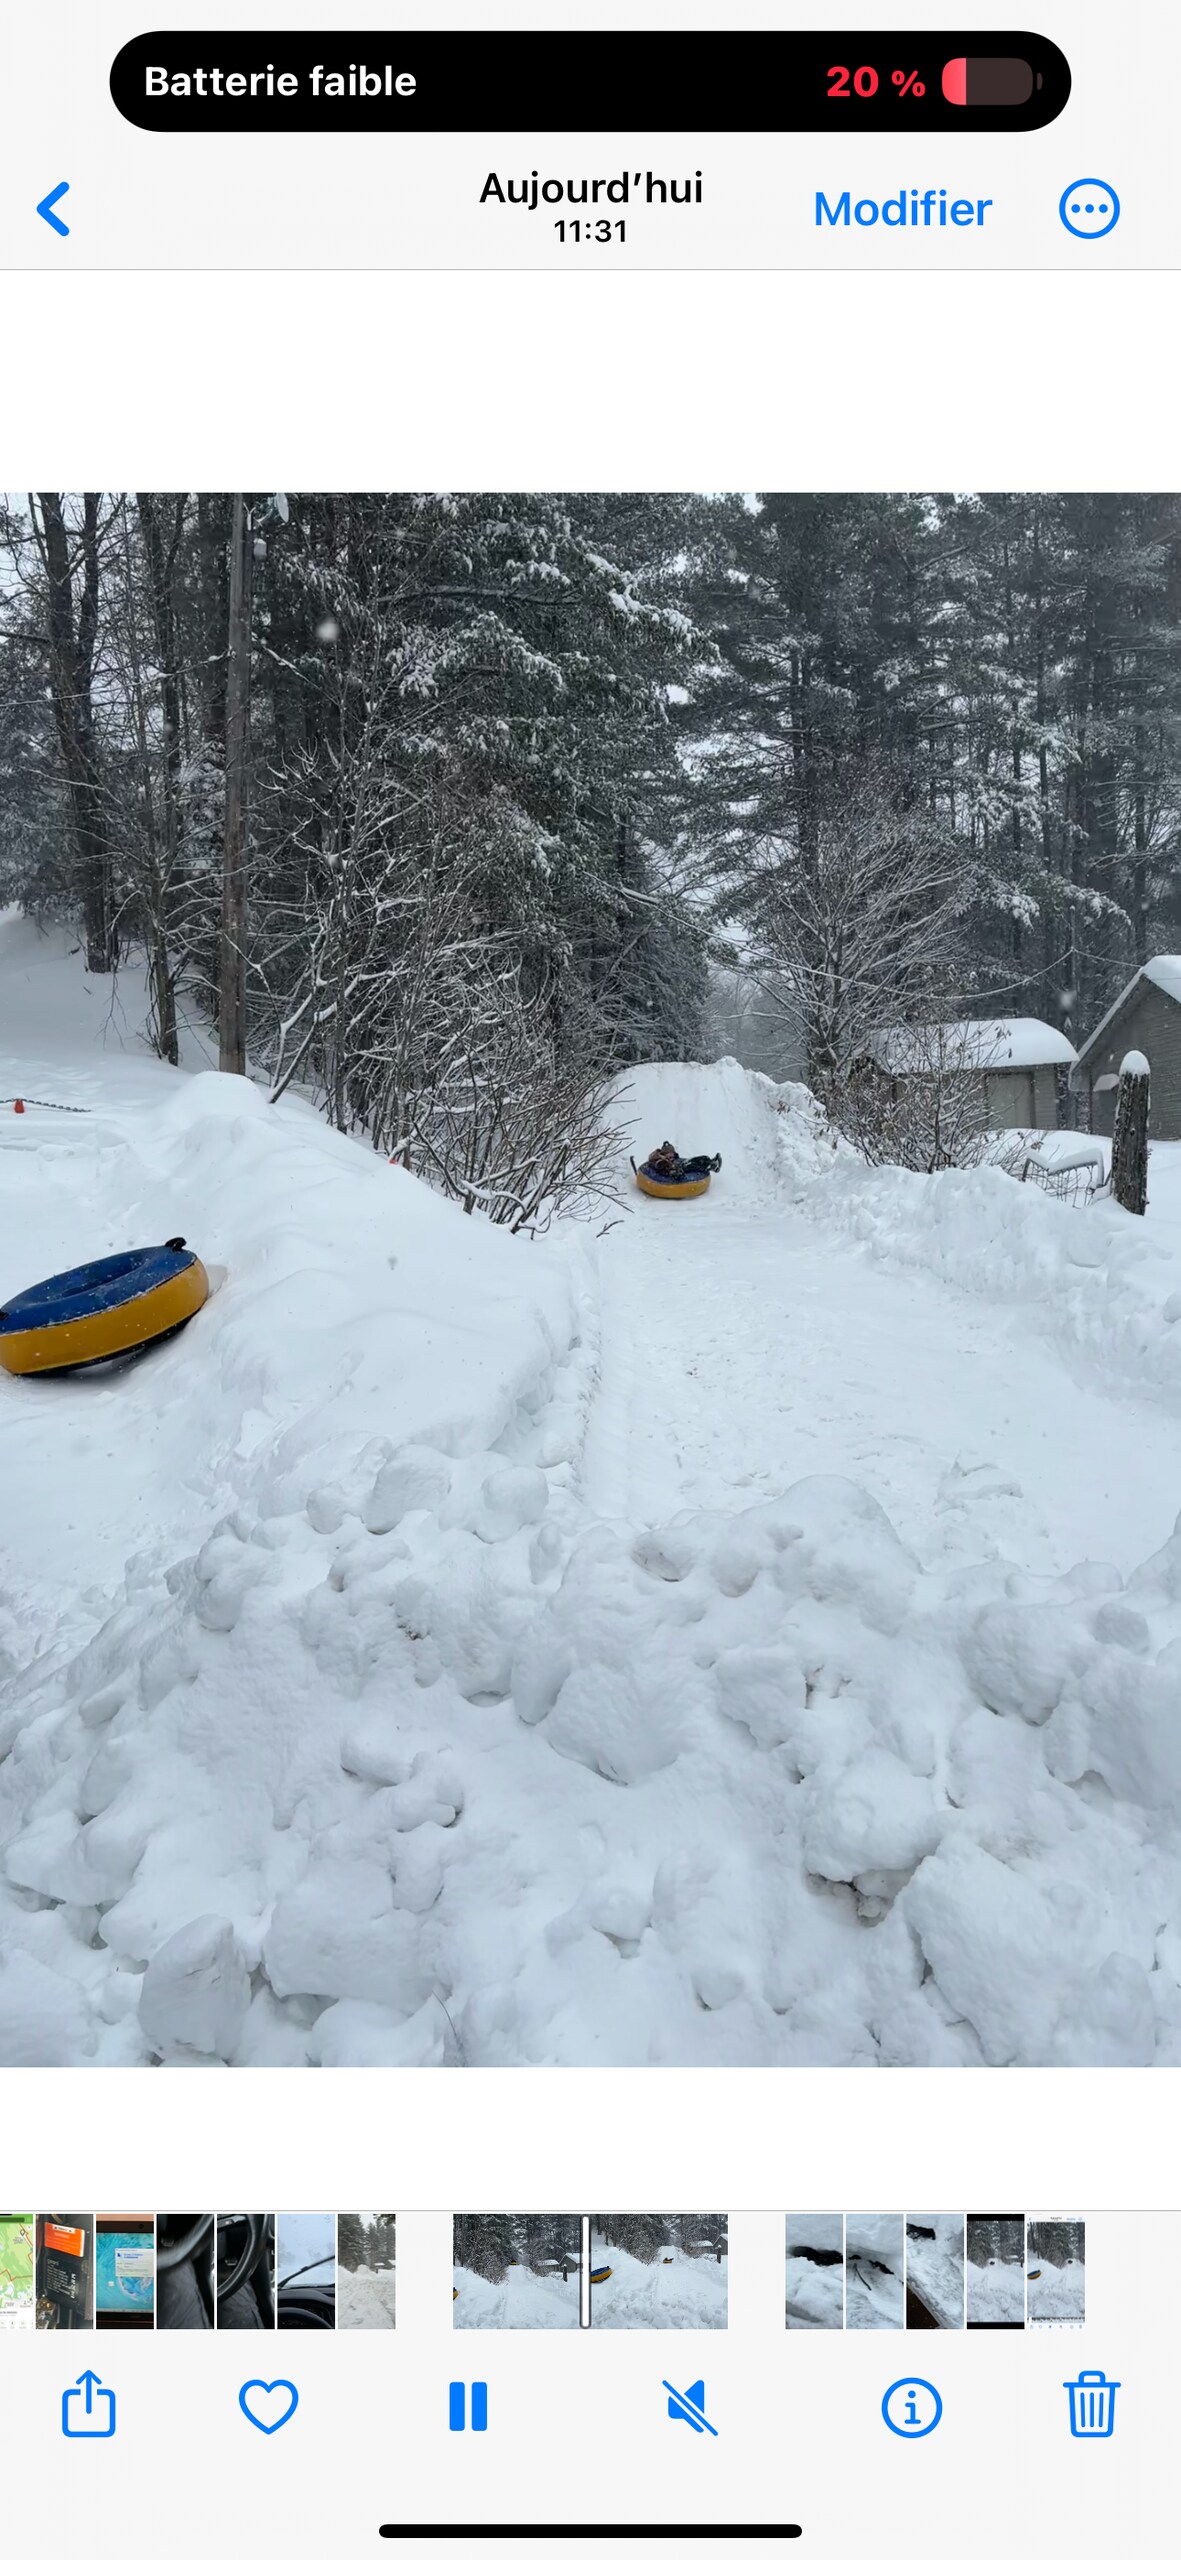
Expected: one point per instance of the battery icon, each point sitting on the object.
(987, 80)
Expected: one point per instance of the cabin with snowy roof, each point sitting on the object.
(1021, 1064)
(1146, 1016)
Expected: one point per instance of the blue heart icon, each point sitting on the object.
(262, 2416)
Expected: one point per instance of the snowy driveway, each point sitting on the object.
(745, 1346)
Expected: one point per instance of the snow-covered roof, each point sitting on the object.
(1163, 972)
(1017, 1041)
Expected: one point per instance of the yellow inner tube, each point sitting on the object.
(110, 1329)
(672, 1190)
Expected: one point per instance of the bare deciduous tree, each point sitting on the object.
(510, 1123)
(387, 995)
(852, 924)
(919, 1097)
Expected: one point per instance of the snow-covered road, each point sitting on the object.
(522, 2300)
(755, 1348)
(366, 2298)
(676, 2290)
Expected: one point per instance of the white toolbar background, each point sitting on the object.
(578, 2425)
(370, 201)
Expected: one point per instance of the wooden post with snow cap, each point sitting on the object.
(1129, 1145)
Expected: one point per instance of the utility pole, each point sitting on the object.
(231, 1011)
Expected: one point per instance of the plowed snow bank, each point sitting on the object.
(376, 1740)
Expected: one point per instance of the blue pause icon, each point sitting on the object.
(457, 2408)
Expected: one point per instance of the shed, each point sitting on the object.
(1146, 1016)
(1018, 1061)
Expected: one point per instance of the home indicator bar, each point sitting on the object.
(591, 2532)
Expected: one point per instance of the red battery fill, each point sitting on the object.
(987, 80)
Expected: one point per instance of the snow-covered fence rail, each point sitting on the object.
(1079, 1176)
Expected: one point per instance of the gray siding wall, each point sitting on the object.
(1152, 1022)
(1021, 1097)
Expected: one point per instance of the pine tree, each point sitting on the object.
(523, 767)
(487, 2243)
(351, 2241)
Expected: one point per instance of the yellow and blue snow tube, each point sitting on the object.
(102, 1310)
(599, 2275)
(658, 1190)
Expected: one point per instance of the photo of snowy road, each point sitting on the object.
(516, 2271)
(644, 2271)
(666, 2271)
(365, 2300)
(360, 1654)
(522, 1618)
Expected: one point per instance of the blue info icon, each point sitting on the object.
(912, 2407)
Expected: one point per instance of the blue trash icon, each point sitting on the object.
(1092, 2404)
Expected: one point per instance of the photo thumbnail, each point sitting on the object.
(124, 2270)
(65, 2270)
(18, 2262)
(659, 2271)
(875, 2296)
(935, 2270)
(996, 2270)
(1056, 2272)
(186, 2271)
(306, 2265)
(366, 2282)
(815, 2282)
(245, 2258)
(516, 2271)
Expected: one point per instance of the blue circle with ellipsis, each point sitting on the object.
(1089, 208)
(912, 2382)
